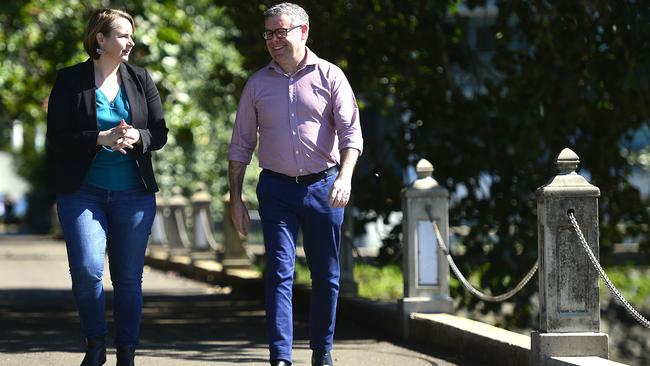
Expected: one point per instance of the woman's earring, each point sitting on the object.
(100, 51)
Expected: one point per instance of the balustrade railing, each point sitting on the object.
(568, 265)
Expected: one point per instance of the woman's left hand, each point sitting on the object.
(131, 137)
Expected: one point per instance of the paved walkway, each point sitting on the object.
(184, 322)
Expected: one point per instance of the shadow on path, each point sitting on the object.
(192, 327)
(184, 322)
(195, 327)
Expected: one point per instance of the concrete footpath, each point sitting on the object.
(184, 322)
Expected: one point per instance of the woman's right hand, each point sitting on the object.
(111, 136)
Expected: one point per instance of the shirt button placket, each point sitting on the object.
(292, 121)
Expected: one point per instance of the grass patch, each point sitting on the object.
(379, 283)
(302, 275)
(376, 283)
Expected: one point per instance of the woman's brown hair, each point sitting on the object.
(102, 22)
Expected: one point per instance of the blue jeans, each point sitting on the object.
(96, 221)
(285, 206)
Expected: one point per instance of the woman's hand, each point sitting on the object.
(130, 138)
(120, 137)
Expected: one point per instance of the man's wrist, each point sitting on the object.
(347, 177)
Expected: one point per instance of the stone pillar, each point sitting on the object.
(235, 254)
(204, 245)
(158, 235)
(425, 267)
(347, 284)
(202, 217)
(568, 283)
(176, 229)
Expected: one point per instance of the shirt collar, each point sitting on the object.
(311, 59)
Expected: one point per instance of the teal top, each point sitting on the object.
(113, 170)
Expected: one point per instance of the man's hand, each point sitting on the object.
(238, 211)
(340, 193)
(239, 216)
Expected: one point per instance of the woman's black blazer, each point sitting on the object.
(72, 124)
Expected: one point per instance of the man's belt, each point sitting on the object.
(306, 179)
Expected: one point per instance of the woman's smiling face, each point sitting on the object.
(118, 43)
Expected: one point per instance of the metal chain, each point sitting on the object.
(465, 282)
(602, 273)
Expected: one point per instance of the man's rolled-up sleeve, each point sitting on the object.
(346, 113)
(244, 133)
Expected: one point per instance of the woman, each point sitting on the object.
(104, 119)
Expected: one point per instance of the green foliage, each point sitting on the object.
(379, 283)
(186, 45)
(634, 284)
(37, 37)
(34, 42)
(301, 274)
(375, 283)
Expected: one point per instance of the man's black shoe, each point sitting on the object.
(319, 359)
(280, 363)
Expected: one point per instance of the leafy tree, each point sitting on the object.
(37, 37)
(187, 47)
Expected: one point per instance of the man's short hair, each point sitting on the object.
(297, 14)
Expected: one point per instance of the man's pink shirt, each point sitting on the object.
(303, 120)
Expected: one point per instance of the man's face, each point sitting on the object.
(286, 50)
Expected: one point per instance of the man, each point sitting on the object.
(307, 119)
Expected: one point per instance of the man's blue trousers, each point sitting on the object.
(285, 207)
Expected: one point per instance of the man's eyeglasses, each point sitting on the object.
(280, 32)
